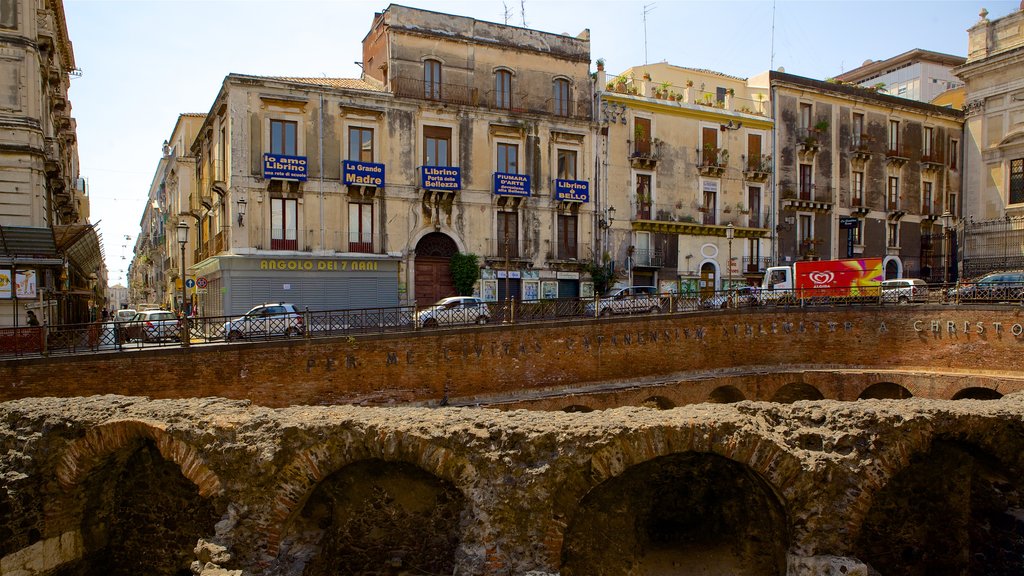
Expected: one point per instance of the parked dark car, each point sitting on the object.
(994, 287)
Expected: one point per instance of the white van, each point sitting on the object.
(124, 315)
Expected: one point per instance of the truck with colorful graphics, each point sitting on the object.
(822, 280)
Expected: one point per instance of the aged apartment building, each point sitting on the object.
(461, 136)
(154, 274)
(993, 238)
(687, 166)
(50, 257)
(864, 174)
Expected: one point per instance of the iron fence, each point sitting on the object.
(991, 246)
(67, 339)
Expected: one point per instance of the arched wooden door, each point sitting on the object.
(707, 281)
(432, 274)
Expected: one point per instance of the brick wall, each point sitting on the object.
(531, 359)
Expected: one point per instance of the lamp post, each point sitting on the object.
(946, 219)
(183, 241)
(730, 233)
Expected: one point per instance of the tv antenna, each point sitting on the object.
(648, 8)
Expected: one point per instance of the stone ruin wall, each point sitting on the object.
(128, 485)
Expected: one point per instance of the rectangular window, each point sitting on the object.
(437, 146)
(926, 198)
(709, 205)
(566, 165)
(567, 236)
(283, 137)
(954, 154)
(951, 206)
(928, 143)
(432, 79)
(857, 232)
(709, 146)
(720, 94)
(894, 137)
(894, 193)
(508, 234)
(9, 14)
(754, 163)
(360, 144)
(284, 224)
(642, 136)
(805, 222)
(806, 183)
(503, 89)
(643, 196)
(360, 228)
(508, 158)
(858, 131)
(857, 194)
(222, 154)
(560, 97)
(894, 234)
(805, 116)
(754, 205)
(1017, 181)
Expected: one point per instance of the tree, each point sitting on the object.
(602, 275)
(465, 272)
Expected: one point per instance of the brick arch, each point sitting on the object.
(989, 434)
(311, 466)
(83, 455)
(769, 460)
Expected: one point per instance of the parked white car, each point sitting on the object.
(904, 291)
(454, 310)
(265, 320)
(628, 300)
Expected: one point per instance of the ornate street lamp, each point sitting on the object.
(183, 241)
(730, 233)
(946, 219)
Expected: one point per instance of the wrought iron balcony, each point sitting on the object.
(713, 161)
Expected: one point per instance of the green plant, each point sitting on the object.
(600, 63)
(821, 126)
(465, 272)
(601, 273)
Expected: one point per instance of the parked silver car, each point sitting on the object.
(151, 326)
(628, 300)
(904, 290)
(265, 320)
(454, 310)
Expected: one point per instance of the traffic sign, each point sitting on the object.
(201, 282)
(190, 283)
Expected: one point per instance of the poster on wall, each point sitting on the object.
(25, 282)
(5, 283)
(586, 289)
(531, 290)
(549, 290)
(489, 290)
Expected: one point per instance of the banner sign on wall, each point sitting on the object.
(440, 178)
(511, 184)
(363, 173)
(572, 191)
(284, 167)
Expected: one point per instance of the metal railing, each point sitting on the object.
(114, 337)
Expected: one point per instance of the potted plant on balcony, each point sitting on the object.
(600, 64)
(821, 127)
(663, 90)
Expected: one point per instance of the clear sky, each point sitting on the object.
(143, 62)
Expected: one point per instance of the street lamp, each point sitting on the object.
(730, 233)
(946, 219)
(183, 241)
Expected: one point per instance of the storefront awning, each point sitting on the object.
(80, 244)
(26, 245)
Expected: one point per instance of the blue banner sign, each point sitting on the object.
(511, 184)
(440, 178)
(572, 191)
(363, 173)
(284, 167)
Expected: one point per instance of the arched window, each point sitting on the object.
(560, 97)
(432, 79)
(503, 89)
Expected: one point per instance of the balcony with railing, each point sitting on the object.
(807, 196)
(644, 153)
(859, 147)
(808, 141)
(932, 162)
(897, 156)
(755, 265)
(757, 168)
(648, 258)
(712, 161)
